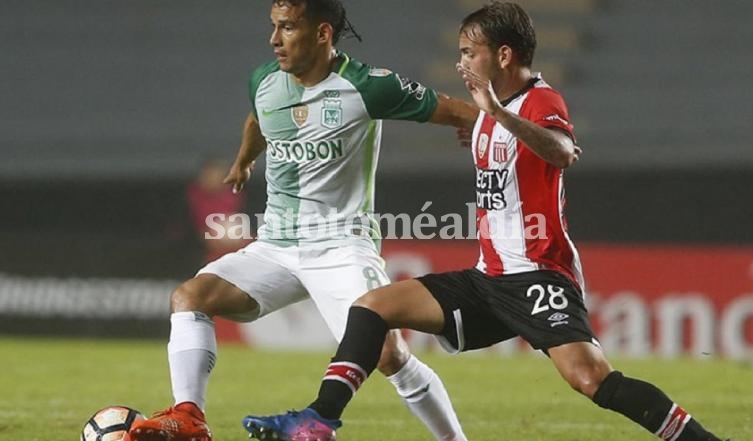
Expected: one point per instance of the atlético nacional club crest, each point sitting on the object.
(300, 115)
(332, 113)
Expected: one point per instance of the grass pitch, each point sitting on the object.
(49, 388)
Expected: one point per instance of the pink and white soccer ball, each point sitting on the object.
(110, 424)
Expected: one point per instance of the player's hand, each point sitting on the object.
(238, 175)
(464, 137)
(480, 88)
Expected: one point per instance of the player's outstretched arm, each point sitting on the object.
(454, 112)
(252, 144)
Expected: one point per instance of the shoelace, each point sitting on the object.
(291, 413)
(160, 413)
(278, 420)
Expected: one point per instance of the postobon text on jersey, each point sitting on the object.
(299, 151)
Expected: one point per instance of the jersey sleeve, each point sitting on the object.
(257, 76)
(388, 95)
(546, 108)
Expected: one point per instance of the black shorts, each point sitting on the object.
(543, 307)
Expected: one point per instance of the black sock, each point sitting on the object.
(356, 357)
(648, 406)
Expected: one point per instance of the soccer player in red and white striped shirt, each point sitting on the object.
(528, 281)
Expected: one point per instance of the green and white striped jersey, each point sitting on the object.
(323, 144)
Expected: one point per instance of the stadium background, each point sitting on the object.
(108, 109)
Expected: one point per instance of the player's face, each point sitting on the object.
(293, 38)
(476, 55)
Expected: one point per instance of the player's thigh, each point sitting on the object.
(468, 320)
(262, 272)
(335, 277)
(406, 304)
(543, 307)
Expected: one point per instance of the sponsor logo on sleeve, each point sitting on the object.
(379, 72)
(556, 118)
(412, 87)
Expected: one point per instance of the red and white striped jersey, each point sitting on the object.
(520, 198)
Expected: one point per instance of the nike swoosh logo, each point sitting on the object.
(268, 112)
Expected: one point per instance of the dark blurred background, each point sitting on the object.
(109, 108)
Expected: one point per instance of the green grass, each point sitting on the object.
(49, 388)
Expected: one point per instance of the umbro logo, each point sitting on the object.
(558, 318)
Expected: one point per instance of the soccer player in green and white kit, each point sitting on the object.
(317, 112)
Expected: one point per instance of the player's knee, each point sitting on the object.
(368, 300)
(374, 302)
(584, 384)
(587, 380)
(186, 297)
(395, 353)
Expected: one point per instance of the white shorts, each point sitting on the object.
(276, 276)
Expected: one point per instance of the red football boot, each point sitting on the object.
(182, 422)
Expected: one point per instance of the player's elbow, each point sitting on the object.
(565, 155)
(566, 160)
(562, 159)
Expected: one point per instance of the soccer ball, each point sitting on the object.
(110, 424)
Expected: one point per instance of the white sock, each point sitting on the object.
(425, 395)
(192, 351)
